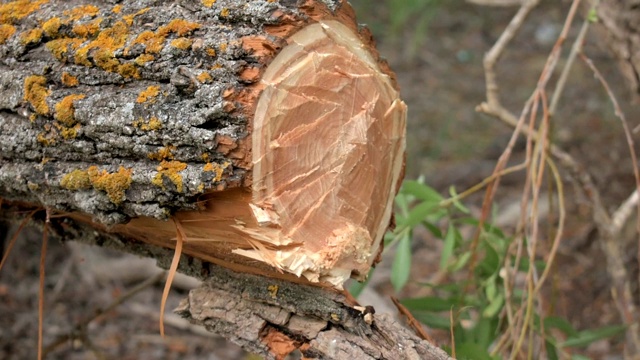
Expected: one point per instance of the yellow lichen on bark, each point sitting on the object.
(32, 36)
(181, 43)
(153, 124)
(68, 79)
(218, 169)
(170, 170)
(60, 47)
(208, 3)
(114, 184)
(65, 110)
(76, 180)
(79, 12)
(52, 26)
(13, 11)
(148, 95)
(204, 77)
(35, 92)
(5, 32)
(163, 153)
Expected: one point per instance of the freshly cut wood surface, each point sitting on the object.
(270, 130)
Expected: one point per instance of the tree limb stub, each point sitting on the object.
(270, 130)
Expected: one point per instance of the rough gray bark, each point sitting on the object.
(619, 24)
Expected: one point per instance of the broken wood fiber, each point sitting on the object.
(270, 130)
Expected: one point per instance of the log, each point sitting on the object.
(271, 131)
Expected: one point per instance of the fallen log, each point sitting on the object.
(270, 131)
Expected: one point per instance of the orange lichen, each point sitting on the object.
(208, 3)
(60, 47)
(205, 157)
(68, 79)
(223, 47)
(148, 95)
(224, 12)
(151, 41)
(129, 18)
(87, 30)
(117, 9)
(170, 170)
(204, 77)
(13, 11)
(69, 132)
(47, 138)
(5, 32)
(153, 124)
(128, 70)
(79, 12)
(114, 184)
(35, 92)
(76, 180)
(143, 59)
(65, 110)
(218, 169)
(32, 36)
(163, 153)
(211, 52)
(108, 41)
(179, 27)
(181, 43)
(52, 26)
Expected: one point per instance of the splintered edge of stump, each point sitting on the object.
(314, 136)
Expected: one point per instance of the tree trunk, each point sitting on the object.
(270, 131)
(619, 25)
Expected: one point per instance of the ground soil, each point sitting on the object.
(449, 144)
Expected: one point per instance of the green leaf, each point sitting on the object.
(552, 353)
(461, 261)
(555, 322)
(456, 202)
(433, 229)
(429, 303)
(448, 247)
(494, 306)
(433, 320)
(418, 214)
(421, 191)
(579, 357)
(592, 16)
(587, 337)
(402, 263)
(471, 351)
(490, 264)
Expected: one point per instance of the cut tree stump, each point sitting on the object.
(270, 131)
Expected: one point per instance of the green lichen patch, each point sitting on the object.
(114, 184)
(169, 170)
(35, 92)
(76, 180)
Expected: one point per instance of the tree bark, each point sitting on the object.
(619, 25)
